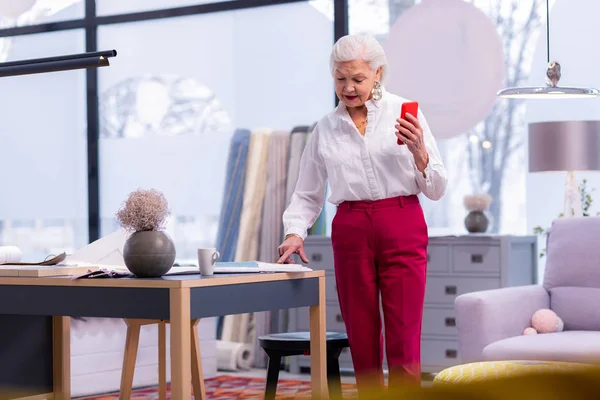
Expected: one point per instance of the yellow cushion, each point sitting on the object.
(481, 371)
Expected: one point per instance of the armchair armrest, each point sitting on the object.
(488, 316)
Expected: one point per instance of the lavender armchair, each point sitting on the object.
(490, 323)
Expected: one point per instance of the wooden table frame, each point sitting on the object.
(179, 299)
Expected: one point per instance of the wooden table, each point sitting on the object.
(35, 323)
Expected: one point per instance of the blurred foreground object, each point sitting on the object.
(578, 383)
(494, 370)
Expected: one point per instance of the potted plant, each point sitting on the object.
(148, 252)
(586, 203)
(476, 221)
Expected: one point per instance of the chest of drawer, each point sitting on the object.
(439, 353)
(319, 252)
(438, 258)
(476, 259)
(333, 316)
(445, 289)
(439, 322)
(330, 288)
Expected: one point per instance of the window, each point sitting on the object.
(43, 141)
(171, 100)
(106, 7)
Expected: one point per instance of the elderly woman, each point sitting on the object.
(379, 234)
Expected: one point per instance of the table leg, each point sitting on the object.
(197, 377)
(318, 346)
(181, 375)
(132, 341)
(61, 354)
(162, 360)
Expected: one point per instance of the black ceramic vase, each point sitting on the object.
(476, 222)
(149, 254)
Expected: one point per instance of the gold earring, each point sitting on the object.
(376, 91)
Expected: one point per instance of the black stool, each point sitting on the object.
(279, 345)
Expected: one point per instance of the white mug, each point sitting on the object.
(207, 259)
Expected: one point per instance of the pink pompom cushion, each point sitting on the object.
(545, 321)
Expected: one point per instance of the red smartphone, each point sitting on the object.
(410, 107)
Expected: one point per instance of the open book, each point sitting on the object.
(241, 267)
(257, 266)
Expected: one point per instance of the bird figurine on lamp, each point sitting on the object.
(553, 73)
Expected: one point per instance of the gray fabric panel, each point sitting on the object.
(271, 226)
(297, 144)
(274, 202)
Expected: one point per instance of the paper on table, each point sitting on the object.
(106, 252)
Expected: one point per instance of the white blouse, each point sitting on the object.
(369, 167)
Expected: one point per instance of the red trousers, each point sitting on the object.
(381, 247)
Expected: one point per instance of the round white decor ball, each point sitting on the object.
(448, 56)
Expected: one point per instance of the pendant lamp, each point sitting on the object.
(553, 73)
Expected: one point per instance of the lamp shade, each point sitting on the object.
(548, 92)
(564, 146)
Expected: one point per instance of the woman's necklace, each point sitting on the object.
(358, 126)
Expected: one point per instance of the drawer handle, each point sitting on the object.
(339, 318)
(450, 321)
(316, 257)
(476, 258)
(451, 353)
(450, 290)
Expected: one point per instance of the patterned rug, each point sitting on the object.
(227, 387)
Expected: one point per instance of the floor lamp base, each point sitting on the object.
(572, 203)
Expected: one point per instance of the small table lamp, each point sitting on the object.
(565, 146)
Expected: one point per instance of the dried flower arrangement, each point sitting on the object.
(477, 202)
(144, 210)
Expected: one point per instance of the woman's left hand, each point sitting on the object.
(410, 132)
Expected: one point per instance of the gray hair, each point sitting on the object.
(359, 47)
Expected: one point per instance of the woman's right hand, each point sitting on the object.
(291, 245)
